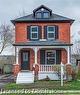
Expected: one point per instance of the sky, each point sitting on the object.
(10, 9)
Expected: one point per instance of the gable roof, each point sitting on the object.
(42, 6)
(53, 17)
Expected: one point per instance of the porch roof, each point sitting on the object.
(42, 43)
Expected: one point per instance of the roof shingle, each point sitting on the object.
(53, 18)
(43, 43)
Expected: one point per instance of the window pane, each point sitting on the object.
(34, 35)
(51, 32)
(34, 29)
(51, 35)
(51, 61)
(51, 28)
(50, 57)
(38, 15)
(45, 15)
(50, 54)
(25, 56)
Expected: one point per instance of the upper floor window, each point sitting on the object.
(34, 32)
(50, 32)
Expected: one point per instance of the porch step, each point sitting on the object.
(25, 77)
(52, 75)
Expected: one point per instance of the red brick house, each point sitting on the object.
(43, 39)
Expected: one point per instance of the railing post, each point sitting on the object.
(46, 68)
(62, 72)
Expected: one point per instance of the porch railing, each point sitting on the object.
(46, 68)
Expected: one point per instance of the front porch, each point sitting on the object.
(45, 58)
(41, 59)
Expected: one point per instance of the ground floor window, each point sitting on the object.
(50, 56)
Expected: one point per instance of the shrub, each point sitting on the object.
(78, 75)
(74, 72)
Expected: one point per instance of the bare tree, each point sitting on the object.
(6, 36)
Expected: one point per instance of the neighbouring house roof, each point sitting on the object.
(42, 43)
(7, 59)
(53, 17)
(76, 56)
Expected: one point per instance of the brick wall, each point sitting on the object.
(21, 31)
(21, 36)
(17, 68)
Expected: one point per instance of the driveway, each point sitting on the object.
(6, 78)
(2, 85)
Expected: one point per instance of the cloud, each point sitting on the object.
(9, 9)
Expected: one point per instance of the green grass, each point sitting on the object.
(40, 94)
(55, 85)
(23, 94)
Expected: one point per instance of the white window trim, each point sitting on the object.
(46, 56)
(33, 32)
(50, 32)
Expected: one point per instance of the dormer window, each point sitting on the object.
(38, 15)
(42, 14)
(46, 15)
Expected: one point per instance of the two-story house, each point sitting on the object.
(41, 38)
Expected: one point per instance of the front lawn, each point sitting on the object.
(40, 94)
(40, 86)
(55, 85)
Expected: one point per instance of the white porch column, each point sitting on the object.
(68, 55)
(35, 51)
(17, 55)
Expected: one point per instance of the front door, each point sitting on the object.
(25, 60)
